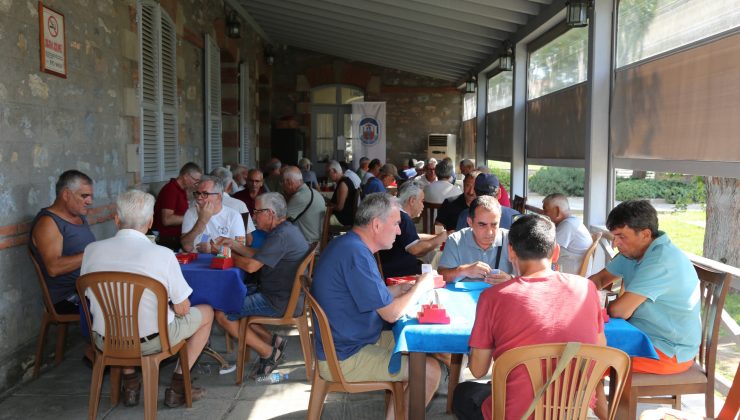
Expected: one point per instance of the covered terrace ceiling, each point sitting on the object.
(447, 39)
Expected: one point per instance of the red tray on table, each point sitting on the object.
(186, 257)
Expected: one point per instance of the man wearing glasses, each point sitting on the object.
(209, 219)
(253, 188)
(172, 202)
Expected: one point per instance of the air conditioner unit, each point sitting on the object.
(440, 146)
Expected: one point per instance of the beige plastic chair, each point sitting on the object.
(583, 270)
(428, 216)
(320, 386)
(579, 380)
(328, 230)
(699, 379)
(50, 317)
(119, 295)
(289, 318)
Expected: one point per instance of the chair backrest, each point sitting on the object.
(325, 226)
(380, 265)
(568, 396)
(327, 341)
(713, 286)
(428, 216)
(118, 295)
(295, 293)
(583, 270)
(48, 304)
(519, 204)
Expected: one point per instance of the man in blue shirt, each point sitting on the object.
(488, 184)
(358, 304)
(387, 175)
(661, 288)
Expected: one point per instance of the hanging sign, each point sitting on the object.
(52, 42)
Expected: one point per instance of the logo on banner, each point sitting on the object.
(369, 131)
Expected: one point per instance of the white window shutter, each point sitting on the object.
(214, 146)
(170, 145)
(245, 141)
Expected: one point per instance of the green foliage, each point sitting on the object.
(549, 180)
(504, 176)
(678, 192)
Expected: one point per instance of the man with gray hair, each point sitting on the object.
(223, 176)
(348, 286)
(130, 251)
(441, 189)
(239, 175)
(429, 175)
(173, 202)
(209, 219)
(401, 259)
(572, 236)
(305, 206)
(479, 252)
(272, 175)
(276, 263)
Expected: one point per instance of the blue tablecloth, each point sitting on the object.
(460, 300)
(224, 290)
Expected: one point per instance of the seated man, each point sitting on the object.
(429, 174)
(401, 259)
(373, 169)
(276, 262)
(448, 213)
(357, 303)
(537, 307)
(305, 205)
(572, 236)
(130, 251)
(441, 189)
(488, 184)
(661, 288)
(363, 168)
(59, 235)
(386, 176)
(272, 175)
(223, 177)
(474, 252)
(172, 203)
(239, 175)
(345, 195)
(209, 219)
(252, 189)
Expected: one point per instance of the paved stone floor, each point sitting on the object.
(62, 393)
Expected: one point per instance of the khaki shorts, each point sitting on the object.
(370, 363)
(179, 329)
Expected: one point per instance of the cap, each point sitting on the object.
(486, 184)
(419, 164)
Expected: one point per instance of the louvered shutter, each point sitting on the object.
(170, 144)
(149, 92)
(214, 148)
(245, 141)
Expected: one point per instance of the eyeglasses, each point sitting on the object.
(203, 194)
(258, 211)
(196, 180)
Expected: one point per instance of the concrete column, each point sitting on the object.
(519, 102)
(599, 182)
(481, 138)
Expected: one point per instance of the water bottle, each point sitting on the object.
(271, 378)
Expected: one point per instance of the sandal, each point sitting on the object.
(266, 366)
(283, 343)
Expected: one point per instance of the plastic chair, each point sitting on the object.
(320, 386)
(328, 230)
(50, 317)
(569, 395)
(119, 295)
(583, 270)
(699, 379)
(292, 316)
(429, 215)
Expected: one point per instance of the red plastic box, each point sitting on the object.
(186, 257)
(433, 314)
(222, 262)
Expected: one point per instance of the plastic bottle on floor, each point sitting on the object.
(271, 378)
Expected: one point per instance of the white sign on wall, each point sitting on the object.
(52, 42)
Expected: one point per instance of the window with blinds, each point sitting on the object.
(214, 146)
(158, 94)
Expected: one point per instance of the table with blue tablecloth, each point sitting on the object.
(460, 300)
(224, 290)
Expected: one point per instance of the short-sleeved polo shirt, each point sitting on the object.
(397, 261)
(670, 314)
(461, 248)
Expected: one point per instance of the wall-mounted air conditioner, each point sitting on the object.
(440, 146)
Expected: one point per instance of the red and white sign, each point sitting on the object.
(53, 47)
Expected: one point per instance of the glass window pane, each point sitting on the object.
(325, 138)
(348, 137)
(350, 94)
(469, 104)
(649, 27)
(500, 91)
(558, 64)
(324, 95)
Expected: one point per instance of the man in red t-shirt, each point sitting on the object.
(539, 306)
(172, 202)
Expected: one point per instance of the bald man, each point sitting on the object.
(572, 236)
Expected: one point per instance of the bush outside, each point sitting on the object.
(551, 179)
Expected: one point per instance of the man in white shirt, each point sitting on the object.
(131, 251)
(429, 175)
(224, 178)
(209, 219)
(572, 236)
(441, 189)
(239, 176)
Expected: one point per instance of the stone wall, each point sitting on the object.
(86, 121)
(415, 105)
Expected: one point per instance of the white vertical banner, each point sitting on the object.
(368, 131)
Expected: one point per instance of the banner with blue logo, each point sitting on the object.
(368, 131)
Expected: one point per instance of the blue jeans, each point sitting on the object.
(255, 304)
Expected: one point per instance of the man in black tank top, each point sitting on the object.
(59, 235)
